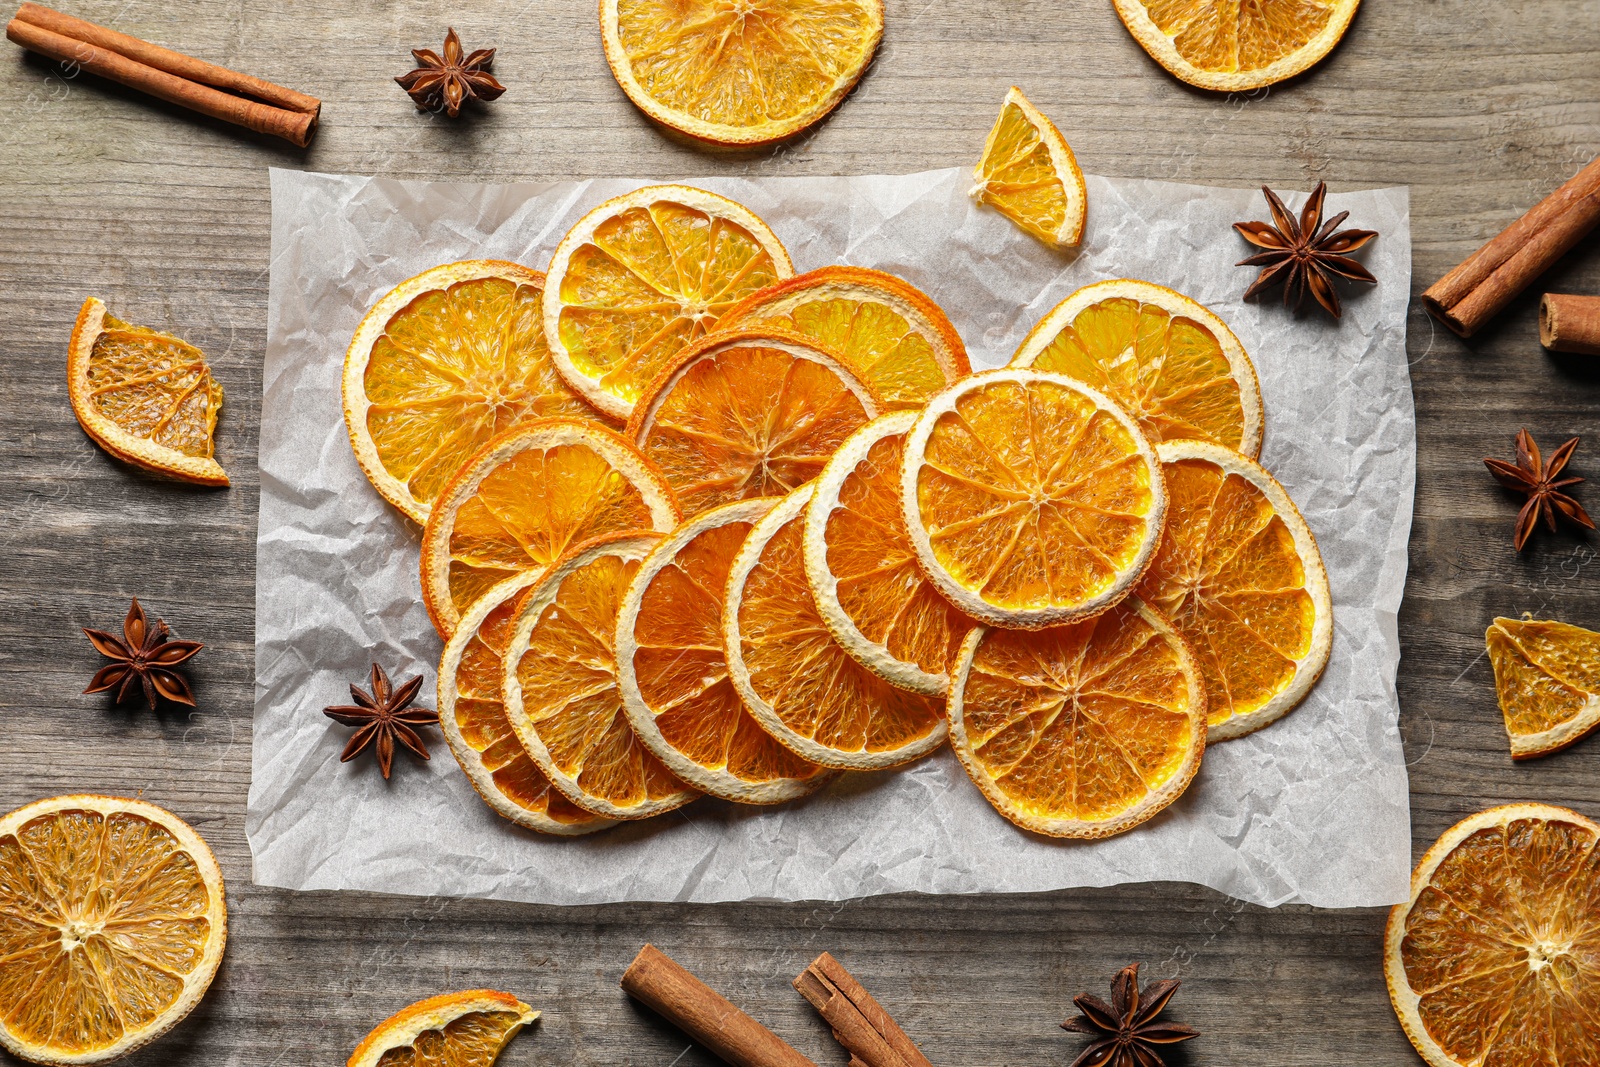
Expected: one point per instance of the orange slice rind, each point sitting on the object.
(466, 1029)
(1547, 678)
(1236, 47)
(1029, 175)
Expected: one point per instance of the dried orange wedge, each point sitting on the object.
(889, 332)
(739, 74)
(1240, 576)
(643, 276)
(526, 498)
(112, 924)
(443, 362)
(799, 684)
(1168, 360)
(1495, 959)
(748, 413)
(1083, 730)
(1029, 175)
(144, 396)
(863, 570)
(1233, 47)
(467, 1029)
(674, 675)
(560, 684)
(1031, 499)
(1547, 675)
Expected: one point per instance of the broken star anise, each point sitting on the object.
(145, 655)
(1127, 1031)
(384, 717)
(1306, 255)
(450, 80)
(1540, 481)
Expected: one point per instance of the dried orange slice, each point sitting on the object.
(1168, 360)
(863, 571)
(467, 1029)
(674, 675)
(643, 276)
(1547, 675)
(748, 413)
(144, 396)
(443, 362)
(1233, 47)
(889, 332)
(799, 684)
(739, 74)
(1240, 576)
(560, 685)
(1495, 959)
(1029, 175)
(526, 498)
(1083, 730)
(1030, 498)
(112, 924)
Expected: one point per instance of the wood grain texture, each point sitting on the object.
(1481, 106)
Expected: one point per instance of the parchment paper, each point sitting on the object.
(1312, 809)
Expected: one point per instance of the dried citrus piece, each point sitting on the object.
(144, 396)
(1233, 47)
(526, 498)
(1083, 730)
(643, 276)
(863, 570)
(1168, 360)
(739, 74)
(1030, 498)
(748, 413)
(1495, 959)
(674, 675)
(560, 684)
(889, 332)
(443, 362)
(1029, 175)
(799, 684)
(1240, 576)
(467, 1029)
(1547, 675)
(112, 924)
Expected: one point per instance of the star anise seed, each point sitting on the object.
(146, 655)
(383, 718)
(1127, 1032)
(450, 80)
(1540, 481)
(1306, 255)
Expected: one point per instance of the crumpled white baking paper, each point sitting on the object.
(1312, 809)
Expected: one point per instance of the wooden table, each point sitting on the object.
(1480, 107)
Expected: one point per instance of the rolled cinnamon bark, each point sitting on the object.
(859, 1022)
(1570, 323)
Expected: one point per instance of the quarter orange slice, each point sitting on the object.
(526, 498)
(144, 396)
(112, 924)
(643, 276)
(889, 332)
(1029, 175)
(1166, 359)
(1495, 959)
(560, 685)
(1233, 47)
(1547, 675)
(467, 1029)
(1240, 576)
(748, 413)
(798, 683)
(1083, 730)
(1030, 498)
(674, 674)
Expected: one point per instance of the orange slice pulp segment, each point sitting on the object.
(1547, 676)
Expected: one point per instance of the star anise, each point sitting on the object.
(451, 80)
(383, 718)
(1304, 255)
(1128, 1033)
(1540, 481)
(144, 655)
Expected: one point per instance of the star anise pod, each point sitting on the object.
(1540, 481)
(146, 655)
(1304, 255)
(1127, 1031)
(452, 79)
(383, 718)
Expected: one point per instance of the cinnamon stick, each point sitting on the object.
(704, 1014)
(859, 1022)
(1570, 323)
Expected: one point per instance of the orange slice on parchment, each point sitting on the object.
(1233, 47)
(467, 1029)
(1029, 175)
(1547, 676)
(674, 674)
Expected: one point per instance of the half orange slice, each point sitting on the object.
(467, 1029)
(1233, 47)
(1030, 176)
(1547, 676)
